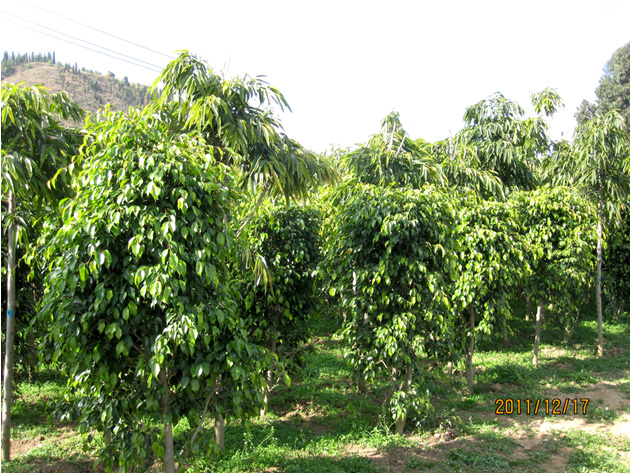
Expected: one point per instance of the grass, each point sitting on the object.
(322, 424)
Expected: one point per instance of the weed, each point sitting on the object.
(594, 461)
(460, 460)
(421, 464)
(603, 414)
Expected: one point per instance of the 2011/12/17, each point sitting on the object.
(509, 406)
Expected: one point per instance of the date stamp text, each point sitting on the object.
(545, 406)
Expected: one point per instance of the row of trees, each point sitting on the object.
(10, 61)
(150, 256)
(420, 273)
(177, 282)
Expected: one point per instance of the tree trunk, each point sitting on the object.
(220, 427)
(7, 394)
(599, 303)
(535, 350)
(361, 384)
(504, 328)
(471, 349)
(400, 422)
(399, 426)
(527, 305)
(169, 453)
(268, 380)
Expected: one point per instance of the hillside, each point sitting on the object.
(91, 90)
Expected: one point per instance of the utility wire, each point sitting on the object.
(85, 41)
(100, 31)
(82, 46)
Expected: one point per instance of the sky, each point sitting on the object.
(344, 65)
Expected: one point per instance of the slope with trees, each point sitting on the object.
(91, 90)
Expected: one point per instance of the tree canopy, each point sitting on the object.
(236, 116)
(612, 92)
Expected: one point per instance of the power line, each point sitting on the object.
(82, 46)
(85, 41)
(100, 31)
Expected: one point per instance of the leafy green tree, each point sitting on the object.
(612, 92)
(392, 157)
(387, 258)
(616, 264)
(288, 238)
(557, 225)
(463, 169)
(598, 165)
(507, 143)
(491, 266)
(34, 148)
(140, 295)
(235, 115)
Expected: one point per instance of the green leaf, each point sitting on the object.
(155, 368)
(158, 449)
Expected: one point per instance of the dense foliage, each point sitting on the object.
(616, 266)
(288, 238)
(492, 265)
(388, 263)
(559, 229)
(612, 92)
(139, 294)
(176, 290)
(35, 149)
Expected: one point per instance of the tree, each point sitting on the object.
(34, 148)
(491, 266)
(234, 115)
(557, 225)
(504, 141)
(612, 92)
(288, 238)
(392, 157)
(388, 257)
(140, 295)
(598, 164)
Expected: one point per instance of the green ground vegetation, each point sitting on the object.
(322, 423)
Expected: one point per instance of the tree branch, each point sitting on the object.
(254, 209)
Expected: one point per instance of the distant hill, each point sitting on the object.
(90, 90)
